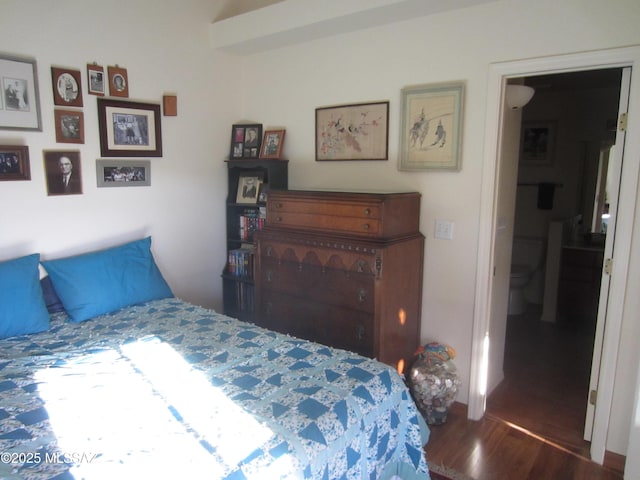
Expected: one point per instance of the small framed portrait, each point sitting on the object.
(14, 162)
(67, 87)
(272, 144)
(95, 79)
(63, 170)
(118, 81)
(123, 173)
(69, 126)
(245, 141)
(248, 189)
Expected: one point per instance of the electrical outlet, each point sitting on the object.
(444, 229)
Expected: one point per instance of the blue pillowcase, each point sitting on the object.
(101, 282)
(22, 307)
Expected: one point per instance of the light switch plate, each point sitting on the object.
(444, 229)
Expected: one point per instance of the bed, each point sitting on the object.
(117, 378)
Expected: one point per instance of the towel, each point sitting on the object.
(545, 195)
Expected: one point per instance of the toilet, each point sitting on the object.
(526, 261)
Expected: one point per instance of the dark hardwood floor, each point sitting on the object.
(535, 418)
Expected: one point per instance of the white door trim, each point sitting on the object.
(498, 74)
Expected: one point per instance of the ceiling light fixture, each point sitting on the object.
(517, 96)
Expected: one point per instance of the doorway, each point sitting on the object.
(547, 363)
(487, 352)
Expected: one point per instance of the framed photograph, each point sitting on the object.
(245, 141)
(129, 129)
(123, 173)
(95, 79)
(272, 144)
(537, 142)
(431, 127)
(248, 189)
(19, 100)
(63, 170)
(14, 162)
(67, 87)
(118, 81)
(263, 192)
(69, 126)
(353, 132)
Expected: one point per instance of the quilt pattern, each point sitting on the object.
(171, 390)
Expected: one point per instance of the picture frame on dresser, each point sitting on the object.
(67, 87)
(14, 163)
(129, 129)
(19, 99)
(353, 132)
(245, 141)
(272, 144)
(431, 126)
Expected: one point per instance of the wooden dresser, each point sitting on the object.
(343, 269)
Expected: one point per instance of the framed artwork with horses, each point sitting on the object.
(353, 132)
(431, 126)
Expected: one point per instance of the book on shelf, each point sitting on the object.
(241, 261)
(250, 221)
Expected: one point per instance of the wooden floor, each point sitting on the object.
(535, 418)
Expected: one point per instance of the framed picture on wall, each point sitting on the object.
(123, 173)
(67, 87)
(14, 162)
(63, 171)
(69, 126)
(245, 141)
(431, 127)
(353, 132)
(129, 129)
(19, 100)
(118, 81)
(95, 79)
(537, 142)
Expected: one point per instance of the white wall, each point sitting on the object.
(164, 47)
(284, 86)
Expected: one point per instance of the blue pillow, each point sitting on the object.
(101, 282)
(22, 307)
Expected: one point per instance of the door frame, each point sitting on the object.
(497, 78)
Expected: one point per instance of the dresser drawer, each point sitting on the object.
(326, 222)
(327, 324)
(365, 215)
(319, 284)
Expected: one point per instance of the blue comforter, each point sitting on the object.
(171, 390)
